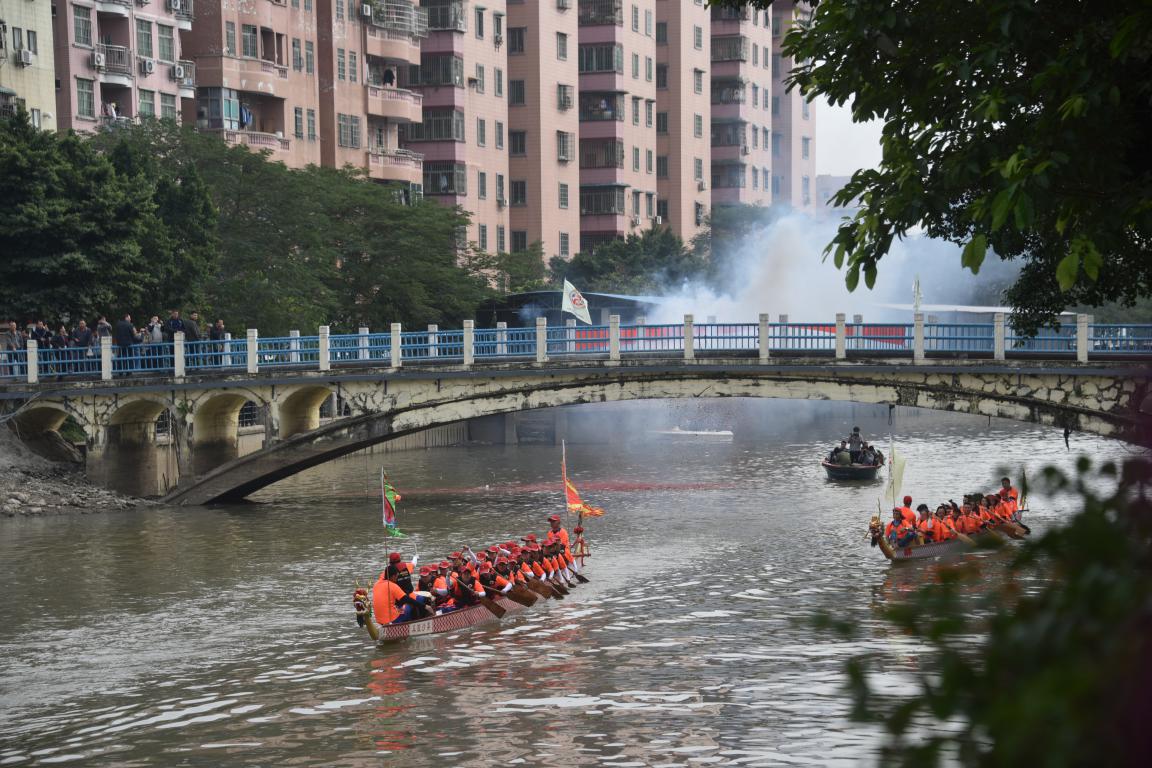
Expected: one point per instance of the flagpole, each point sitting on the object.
(383, 516)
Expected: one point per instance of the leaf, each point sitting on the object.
(974, 252)
(1066, 270)
(870, 276)
(853, 277)
(1002, 206)
(1091, 259)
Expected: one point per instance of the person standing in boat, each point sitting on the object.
(906, 511)
(855, 444)
(1009, 495)
(404, 571)
(580, 549)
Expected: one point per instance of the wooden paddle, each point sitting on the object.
(487, 602)
(540, 588)
(520, 594)
(580, 578)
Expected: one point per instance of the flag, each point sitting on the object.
(572, 496)
(389, 498)
(574, 303)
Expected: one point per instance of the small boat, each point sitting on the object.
(850, 471)
(718, 435)
(915, 551)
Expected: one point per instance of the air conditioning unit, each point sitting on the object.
(657, 220)
(745, 150)
(701, 186)
(175, 5)
(501, 202)
(147, 66)
(99, 61)
(563, 5)
(177, 72)
(635, 221)
(498, 40)
(366, 11)
(24, 57)
(473, 82)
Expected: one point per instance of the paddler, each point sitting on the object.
(1009, 494)
(557, 531)
(944, 528)
(467, 590)
(405, 571)
(926, 524)
(906, 511)
(898, 530)
(493, 581)
(390, 603)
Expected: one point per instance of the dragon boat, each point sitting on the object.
(992, 535)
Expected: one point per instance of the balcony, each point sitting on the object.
(184, 75)
(114, 64)
(182, 10)
(390, 44)
(121, 8)
(400, 17)
(395, 165)
(729, 49)
(447, 16)
(395, 103)
(243, 73)
(595, 13)
(260, 142)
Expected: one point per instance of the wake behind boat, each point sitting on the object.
(717, 435)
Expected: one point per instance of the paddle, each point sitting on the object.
(521, 595)
(487, 602)
(540, 588)
(580, 578)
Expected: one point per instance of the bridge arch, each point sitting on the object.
(128, 459)
(299, 412)
(215, 437)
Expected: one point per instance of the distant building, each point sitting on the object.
(793, 121)
(27, 69)
(826, 187)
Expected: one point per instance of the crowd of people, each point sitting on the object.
(855, 450)
(950, 520)
(77, 350)
(404, 592)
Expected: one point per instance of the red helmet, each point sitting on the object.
(907, 500)
(554, 518)
(394, 557)
(445, 565)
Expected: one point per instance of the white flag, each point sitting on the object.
(575, 304)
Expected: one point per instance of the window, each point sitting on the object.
(438, 125)
(482, 185)
(635, 66)
(481, 132)
(561, 46)
(167, 42)
(348, 127)
(755, 178)
(144, 38)
(339, 62)
(438, 69)
(230, 38)
(775, 106)
(804, 113)
(635, 110)
(248, 41)
(307, 5)
(775, 185)
(662, 209)
(353, 65)
(605, 57)
(636, 158)
(499, 187)
(698, 80)
(661, 122)
(519, 241)
(519, 192)
(661, 33)
(764, 137)
(805, 190)
(309, 57)
(635, 18)
(698, 169)
(661, 76)
(311, 125)
(219, 107)
(805, 147)
(636, 202)
(82, 29)
(499, 78)
(601, 106)
(602, 153)
(776, 66)
(564, 247)
(697, 126)
(516, 92)
(698, 38)
(298, 122)
(775, 144)
(755, 55)
(755, 136)
(565, 145)
(500, 238)
(563, 196)
(699, 214)
(662, 167)
(297, 55)
(85, 98)
(480, 84)
(168, 106)
(648, 161)
(497, 28)
(34, 117)
(516, 37)
(755, 95)
(479, 23)
(483, 237)
(564, 96)
(648, 68)
(499, 135)
(648, 23)
(649, 105)
(600, 200)
(340, 10)
(147, 106)
(649, 203)
(518, 143)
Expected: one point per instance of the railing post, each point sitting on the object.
(1082, 341)
(570, 335)
(396, 349)
(841, 337)
(501, 338)
(33, 361)
(918, 337)
(294, 346)
(433, 334)
(227, 349)
(324, 348)
(106, 358)
(541, 340)
(253, 350)
(179, 361)
(469, 342)
(998, 336)
(689, 339)
(763, 341)
(614, 338)
(363, 343)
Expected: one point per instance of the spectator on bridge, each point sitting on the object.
(124, 336)
(9, 344)
(41, 335)
(216, 335)
(103, 329)
(153, 336)
(192, 327)
(173, 326)
(82, 340)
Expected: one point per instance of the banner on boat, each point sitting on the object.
(575, 303)
(572, 496)
(389, 498)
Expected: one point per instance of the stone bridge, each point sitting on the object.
(195, 456)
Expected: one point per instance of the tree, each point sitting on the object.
(71, 227)
(726, 229)
(523, 270)
(644, 263)
(1019, 128)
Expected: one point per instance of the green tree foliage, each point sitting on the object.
(1019, 128)
(521, 271)
(638, 264)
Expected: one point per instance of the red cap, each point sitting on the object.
(445, 564)
(554, 518)
(482, 556)
(533, 547)
(508, 544)
(457, 555)
(501, 561)
(578, 529)
(493, 548)
(425, 570)
(907, 499)
(485, 567)
(394, 557)
(529, 537)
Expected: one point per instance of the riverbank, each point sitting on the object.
(32, 486)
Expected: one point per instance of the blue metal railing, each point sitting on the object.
(802, 337)
(651, 338)
(723, 337)
(1048, 341)
(960, 338)
(1112, 338)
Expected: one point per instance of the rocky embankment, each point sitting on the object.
(31, 485)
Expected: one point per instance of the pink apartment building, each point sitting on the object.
(742, 91)
(793, 122)
(117, 60)
(617, 110)
(543, 125)
(464, 133)
(683, 109)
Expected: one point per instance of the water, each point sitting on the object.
(226, 635)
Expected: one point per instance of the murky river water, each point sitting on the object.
(225, 636)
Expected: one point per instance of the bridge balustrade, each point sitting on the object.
(957, 338)
(716, 337)
(1047, 342)
(1114, 338)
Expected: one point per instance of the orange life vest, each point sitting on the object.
(384, 596)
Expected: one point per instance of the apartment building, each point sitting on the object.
(683, 108)
(793, 121)
(617, 111)
(742, 98)
(544, 126)
(463, 135)
(117, 60)
(27, 68)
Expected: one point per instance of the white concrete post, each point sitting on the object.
(998, 336)
(469, 342)
(33, 360)
(689, 339)
(294, 346)
(614, 337)
(841, 337)
(918, 337)
(541, 339)
(570, 335)
(764, 341)
(179, 361)
(397, 352)
(1082, 340)
(228, 349)
(501, 338)
(433, 335)
(324, 348)
(363, 342)
(253, 350)
(106, 358)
